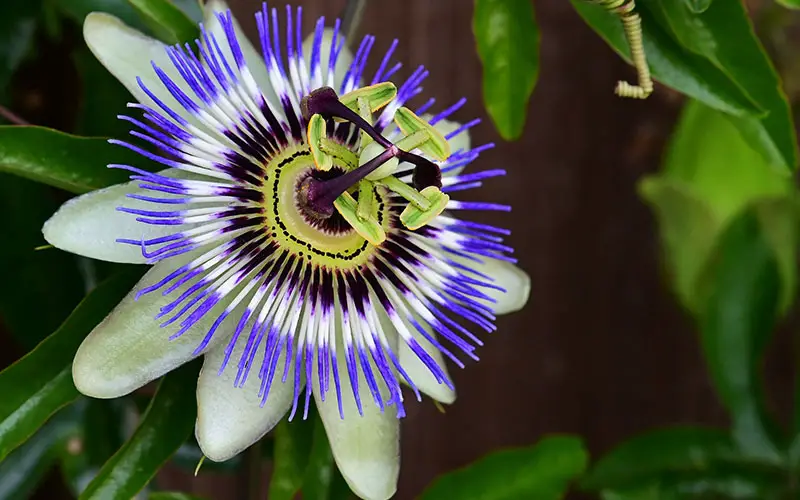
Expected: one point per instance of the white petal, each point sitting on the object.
(416, 369)
(230, 419)
(421, 375)
(366, 448)
(127, 54)
(514, 280)
(129, 349)
(343, 62)
(253, 57)
(90, 224)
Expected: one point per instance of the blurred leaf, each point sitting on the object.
(709, 175)
(171, 495)
(103, 98)
(98, 433)
(30, 306)
(293, 445)
(166, 424)
(24, 468)
(724, 36)
(790, 4)
(698, 6)
(17, 30)
(648, 456)
(77, 10)
(508, 45)
(670, 63)
(742, 287)
(543, 471)
(167, 22)
(76, 164)
(688, 232)
(322, 480)
(192, 9)
(40, 383)
(682, 463)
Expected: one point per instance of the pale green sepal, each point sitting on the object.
(315, 134)
(128, 348)
(368, 228)
(230, 419)
(414, 218)
(436, 145)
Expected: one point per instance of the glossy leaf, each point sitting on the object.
(724, 36)
(293, 444)
(166, 424)
(741, 286)
(76, 164)
(507, 37)
(670, 63)
(31, 307)
(40, 383)
(543, 471)
(167, 22)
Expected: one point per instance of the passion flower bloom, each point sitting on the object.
(302, 238)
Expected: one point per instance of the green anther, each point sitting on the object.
(409, 193)
(377, 96)
(315, 135)
(414, 218)
(368, 228)
(336, 150)
(366, 199)
(435, 145)
(366, 113)
(413, 141)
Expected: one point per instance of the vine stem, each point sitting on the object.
(12, 117)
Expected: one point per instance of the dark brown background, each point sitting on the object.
(601, 350)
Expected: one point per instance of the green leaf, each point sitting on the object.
(724, 36)
(30, 306)
(98, 433)
(670, 63)
(167, 22)
(741, 286)
(646, 457)
(17, 31)
(507, 37)
(698, 6)
(790, 4)
(543, 471)
(682, 463)
(711, 174)
(37, 385)
(25, 467)
(166, 424)
(293, 445)
(77, 10)
(688, 231)
(76, 164)
(171, 495)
